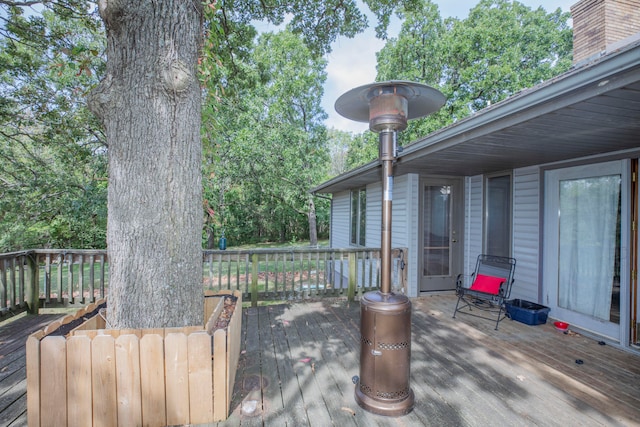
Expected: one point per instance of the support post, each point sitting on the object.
(33, 290)
(353, 276)
(254, 280)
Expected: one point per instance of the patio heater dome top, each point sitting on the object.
(389, 105)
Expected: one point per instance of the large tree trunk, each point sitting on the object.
(149, 103)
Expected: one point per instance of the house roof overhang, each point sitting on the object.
(592, 109)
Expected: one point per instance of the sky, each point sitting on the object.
(352, 62)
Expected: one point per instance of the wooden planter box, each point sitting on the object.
(91, 376)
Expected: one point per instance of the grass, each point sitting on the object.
(233, 274)
(76, 276)
(278, 245)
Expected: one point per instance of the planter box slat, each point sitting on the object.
(128, 380)
(154, 377)
(96, 322)
(211, 323)
(32, 348)
(219, 374)
(200, 377)
(79, 404)
(234, 331)
(103, 378)
(176, 373)
(53, 377)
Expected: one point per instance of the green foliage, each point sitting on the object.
(264, 142)
(338, 143)
(267, 145)
(53, 176)
(501, 48)
(363, 149)
(53, 170)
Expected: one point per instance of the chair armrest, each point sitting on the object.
(505, 289)
(460, 281)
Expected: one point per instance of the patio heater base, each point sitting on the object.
(385, 353)
(391, 409)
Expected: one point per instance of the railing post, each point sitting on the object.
(254, 280)
(33, 291)
(353, 276)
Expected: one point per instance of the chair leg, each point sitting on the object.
(499, 314)
(457, 303)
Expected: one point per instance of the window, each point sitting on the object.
(358, 216)
(497, 236)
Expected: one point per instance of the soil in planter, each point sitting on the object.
(221, 323)
(229, 305)
(63, 330)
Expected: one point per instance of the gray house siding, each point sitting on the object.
(374, 214)
(402, 213)
(526, 232)
(406, 214)
(399, 215)
(340, 220)
(405, 225)
(412, 214)
(404, 222)
(473, 221)
(525, 226)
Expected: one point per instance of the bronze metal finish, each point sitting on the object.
(387, 146)
(385, 353)
(421, 100)
(385, 318)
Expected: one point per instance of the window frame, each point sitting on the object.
(358, 217)
(487, 214)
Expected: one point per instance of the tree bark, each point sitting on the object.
(313, 226)
(149, 103)
(211, 239)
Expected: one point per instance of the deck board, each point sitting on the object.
(325, 388)
(13, 382)
(292, 410)
(297, 362)
(463, 372)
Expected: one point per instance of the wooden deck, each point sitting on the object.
(298, 360)
(13, 373)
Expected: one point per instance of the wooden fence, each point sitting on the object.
(90, 376)
(44, 278)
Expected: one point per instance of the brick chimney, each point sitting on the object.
(599, 23)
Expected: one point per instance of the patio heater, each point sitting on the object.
(385, 318)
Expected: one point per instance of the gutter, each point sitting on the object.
(586, 80)
(554, 94)
(345, 176)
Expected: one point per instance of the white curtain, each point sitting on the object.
(589, 217)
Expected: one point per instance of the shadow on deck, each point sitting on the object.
(297, 362)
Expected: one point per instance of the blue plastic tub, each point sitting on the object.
(527, 312)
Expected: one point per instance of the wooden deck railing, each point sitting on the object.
(49, 278)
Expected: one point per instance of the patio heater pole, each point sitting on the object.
(387, 142)
(385, 318)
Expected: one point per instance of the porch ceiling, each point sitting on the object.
(592, 109)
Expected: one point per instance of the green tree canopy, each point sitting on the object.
(53, 173)
(501, 48)
(53, 179)
(269, 145)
